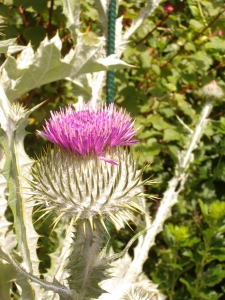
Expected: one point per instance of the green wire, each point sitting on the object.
(110, 75)
(111, 50)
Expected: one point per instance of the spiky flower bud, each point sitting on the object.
(212, 91)
(138, 293)
(17, 112)
(86, 187)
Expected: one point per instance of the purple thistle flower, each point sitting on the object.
(90, 131)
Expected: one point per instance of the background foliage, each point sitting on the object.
(179, 49)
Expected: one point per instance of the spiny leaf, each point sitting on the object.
(32, 70)
(57, 288)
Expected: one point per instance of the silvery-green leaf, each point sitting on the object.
(81, 86)
(55, 286)
(112, 62)
(71, 9)
(14, 119)
(9, 46)
(59, 258)
(4, 224)
(145, 12)
(46, 65)
(14, 49)
(7, 272)
(102, 7)
(4, 45)
(120, 43)
(26, 58)
(5, 277)
(119, 286)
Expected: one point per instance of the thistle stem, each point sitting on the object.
(85, 267)
(171, 195)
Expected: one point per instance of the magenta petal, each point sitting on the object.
(90, 131)
(112, 162)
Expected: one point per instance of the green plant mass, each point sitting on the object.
(158, 225)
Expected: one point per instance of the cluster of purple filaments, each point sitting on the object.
(90, 131)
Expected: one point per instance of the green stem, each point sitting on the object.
(85, 267)
(175, 254)
(220, 159)
(199, 271)
(18, 207)
(203, 17)
(200, 267)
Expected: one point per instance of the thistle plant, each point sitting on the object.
(81, 165)
(87, 178)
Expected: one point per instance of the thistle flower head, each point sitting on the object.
(72, 182)
(212, 91)
(90, 131)
(85, 187)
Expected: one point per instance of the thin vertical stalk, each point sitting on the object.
(111, 49)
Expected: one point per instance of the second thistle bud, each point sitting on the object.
(212, 91)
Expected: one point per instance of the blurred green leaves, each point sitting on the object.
(185, 51)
